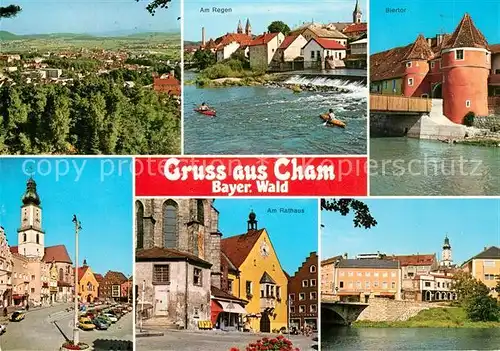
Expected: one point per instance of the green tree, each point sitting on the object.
(483, 308)
(467, 287)
(203, 59)
(9, 11)
(156, 4)
(279, 27)
(60, 121)
(362, 215)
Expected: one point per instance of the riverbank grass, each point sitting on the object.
(453, 317)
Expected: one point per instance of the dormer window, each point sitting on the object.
(459, 55)
(408, 64)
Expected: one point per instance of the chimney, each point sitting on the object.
(345, 256)
(203, 36)
(439, 39)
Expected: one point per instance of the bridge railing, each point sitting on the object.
(389, 103)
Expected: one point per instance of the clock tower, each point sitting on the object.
(30, 236)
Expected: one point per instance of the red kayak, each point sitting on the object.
(206, 112)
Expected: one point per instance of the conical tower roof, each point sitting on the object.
(466, 35)
(240, 27)
(357, 9)
(420, 50)
(248, 25)
(30, 196)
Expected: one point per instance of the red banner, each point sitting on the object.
(251, 176)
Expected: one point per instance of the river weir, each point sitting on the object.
(278, 118)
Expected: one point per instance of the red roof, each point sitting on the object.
(98, 277)
(414, 260)
(356, 27)
(495, 49)
(218, 293)
(81, 272)
(288, 41)
(328, 44)
(263, 39)
(57, 253)
(113, 277)
(242, 39)
(467, 35)
(13, 249)
(167, 84)
(238, 247)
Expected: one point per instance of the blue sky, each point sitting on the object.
(261, 13)
(294, 236)
(428, 17)
(108, 17)
(102, 204)
(411, 226)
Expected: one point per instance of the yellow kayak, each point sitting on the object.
(335, 122)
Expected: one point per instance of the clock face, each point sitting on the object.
(264, 249)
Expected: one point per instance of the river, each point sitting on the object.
(262, 120)
(350, 338)
(405, 166)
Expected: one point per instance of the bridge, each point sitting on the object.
(340, 312)
(399, 104)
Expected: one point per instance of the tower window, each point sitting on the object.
(139, 224)
(467, 103)
(170, 224)
(200, 211)
(459, 55)
(408, 64)
(24, 238)
(410, 82)
(38, 238)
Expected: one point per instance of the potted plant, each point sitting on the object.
(69, 345)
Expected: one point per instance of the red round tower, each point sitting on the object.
(416, 62)
(465, 61)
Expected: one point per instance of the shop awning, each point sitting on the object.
(232, 307)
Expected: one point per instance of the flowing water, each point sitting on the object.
(264, 120)
(388, 339)
(404, 166)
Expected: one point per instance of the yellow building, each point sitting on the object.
(261, 280)
(485, 267)
(88, 286)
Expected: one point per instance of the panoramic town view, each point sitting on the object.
(44, 287)
(435, 98)
(409, 274)
(102, 79)
(294, 81)
(202, 285)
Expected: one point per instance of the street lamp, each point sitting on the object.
(76, 336)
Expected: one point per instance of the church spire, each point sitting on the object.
(240, 28)
(252, 222)
(357, 14)
(30, 196)
(248, 27)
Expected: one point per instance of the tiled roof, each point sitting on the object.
(495, 49)
(164, 254)
(467, 35)
(263, 39)
(218, 293)
(492, 252)
(288, 41)
(113, 277)
(242, 39)
(57, 253)
(328, 44)
(237, 248)
(231, 267)
(420, 50)
(331, 260)
(14, 249)
(368, 263)
(355, 27)
(322, 32)
(387, 64)
(98, 277)
(414, 260)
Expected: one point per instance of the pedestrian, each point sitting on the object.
(27, 307)
(5, 311)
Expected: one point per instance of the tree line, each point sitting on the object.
(97, 115)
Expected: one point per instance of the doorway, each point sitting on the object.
(265, 323)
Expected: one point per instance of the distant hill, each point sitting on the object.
(192, 43)
(4, 35)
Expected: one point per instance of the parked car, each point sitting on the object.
(3, 328)
(100, 323)
(17, 316)
(111, 317)
(85, 323)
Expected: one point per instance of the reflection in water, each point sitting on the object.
(404, 166)
(351, 338)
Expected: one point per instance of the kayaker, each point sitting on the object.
(331, 115)
(203, 107)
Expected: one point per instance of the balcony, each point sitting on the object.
(267, 303)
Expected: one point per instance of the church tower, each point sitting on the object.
(248, 28)
(357, 14)
(30, 234)
(252, 222)
(446, 256)
(240, 28)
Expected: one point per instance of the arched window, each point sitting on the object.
(139, 224)
(170, 224)
(312, 269)
(61, 275)
(200, 211)
(38, 238)
(24, 237)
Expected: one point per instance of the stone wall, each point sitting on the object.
(386, 310)
(490, 122)
(392, 125)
